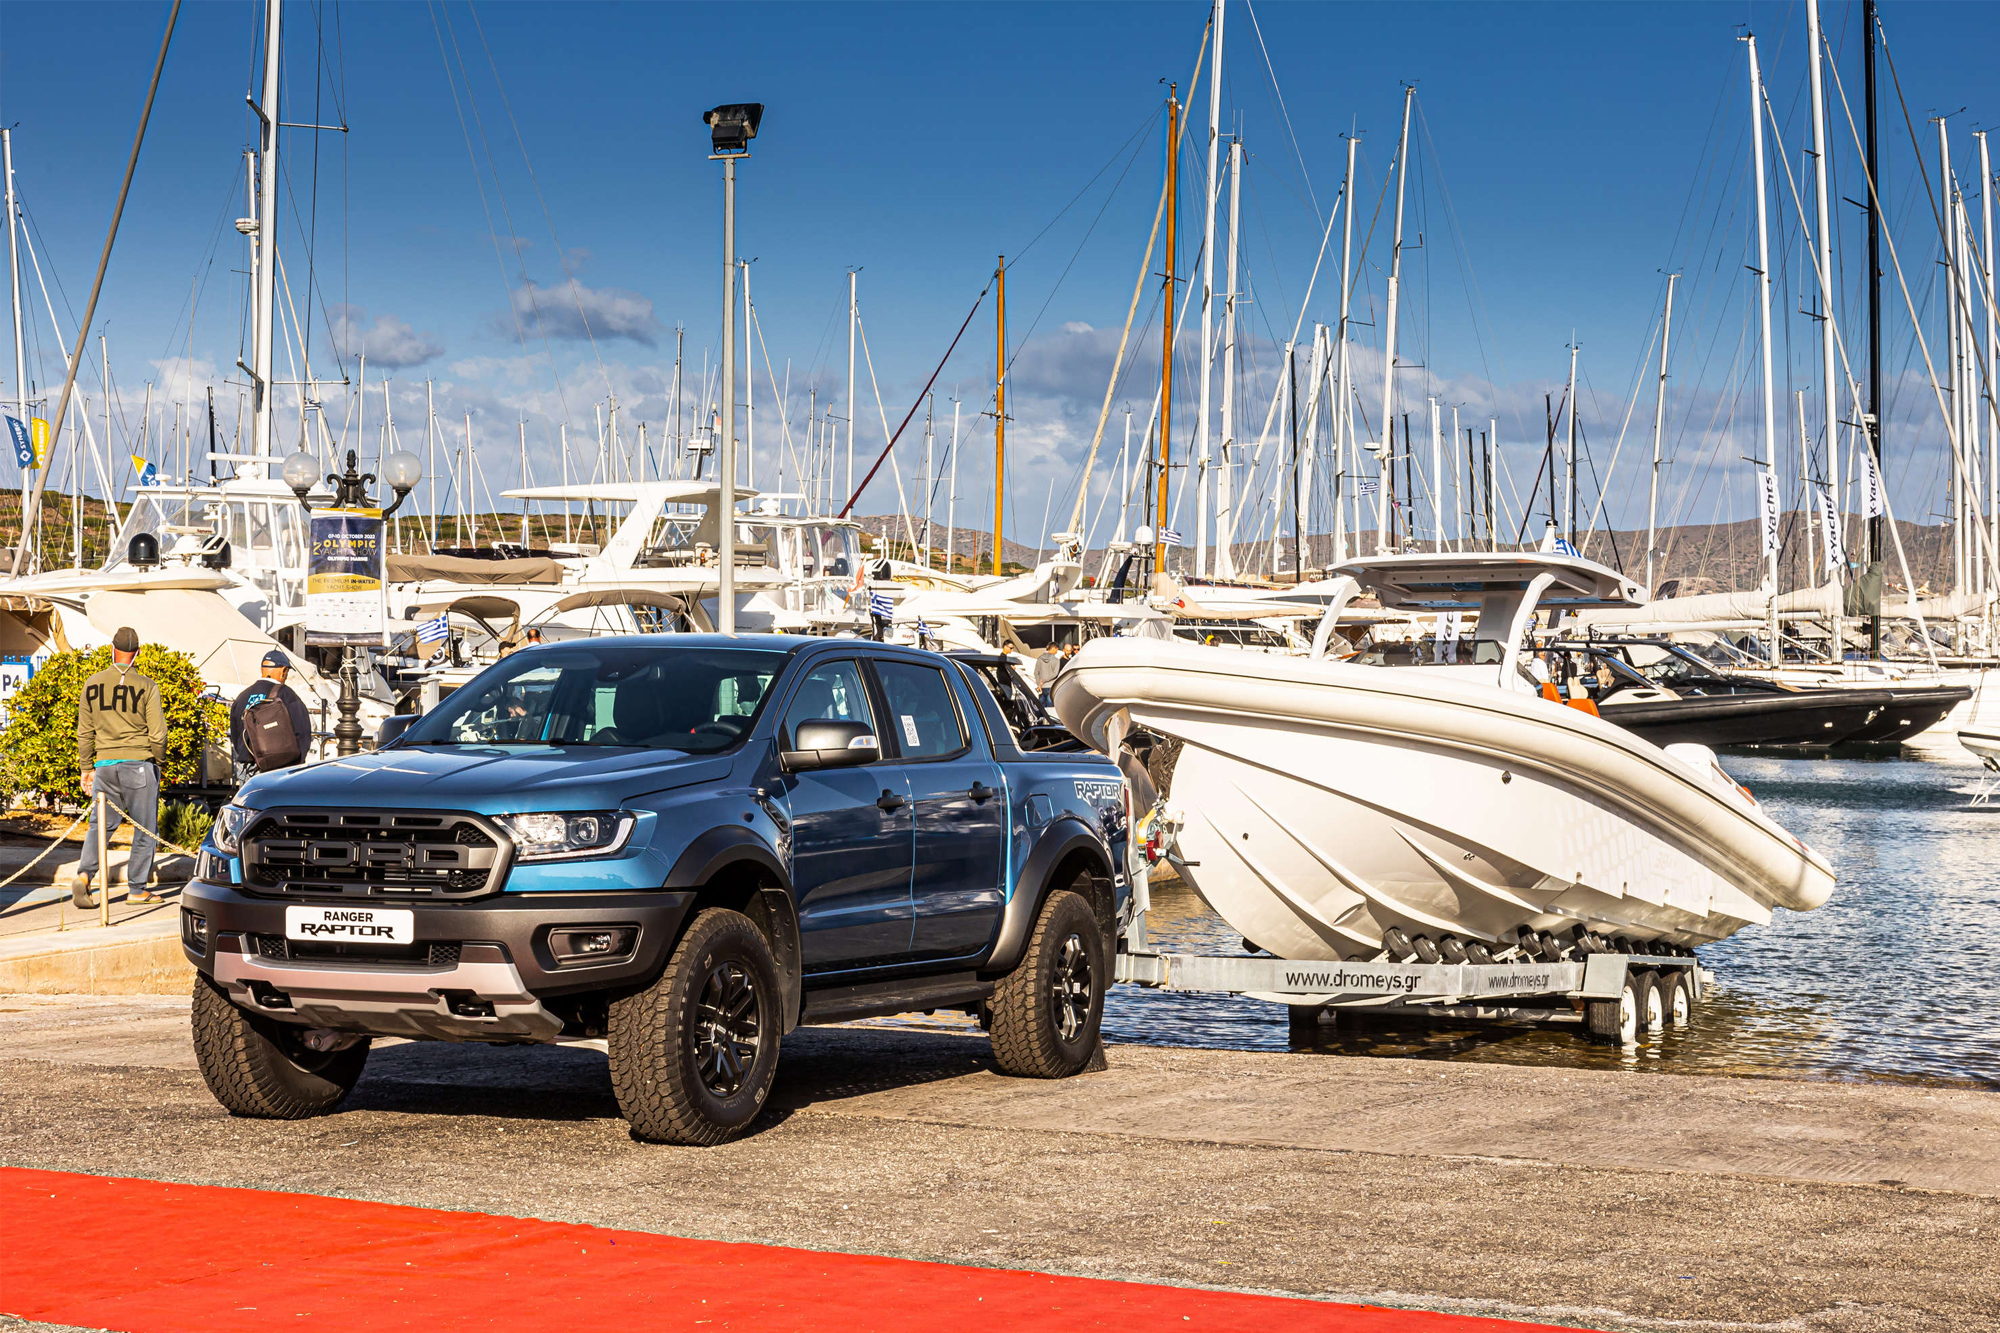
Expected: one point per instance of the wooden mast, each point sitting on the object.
(1000, 411)
(1167, 328)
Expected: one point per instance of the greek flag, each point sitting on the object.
(1370, 487)
(1563, 547)
(434, 631)
(1170, 537)
(880, 606)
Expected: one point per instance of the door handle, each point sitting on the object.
(888, 801)
(980, 794)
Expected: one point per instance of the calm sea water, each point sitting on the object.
(1898, 977)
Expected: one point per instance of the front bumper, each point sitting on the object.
(479, 971)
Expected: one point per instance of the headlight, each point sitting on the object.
(551, 837)
(227, 834)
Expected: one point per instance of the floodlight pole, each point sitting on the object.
(725, 597)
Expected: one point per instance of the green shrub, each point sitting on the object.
(39, 735)
(184, 822)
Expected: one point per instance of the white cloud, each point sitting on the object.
(570, 310)
(390, 343)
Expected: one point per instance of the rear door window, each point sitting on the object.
(923, 716)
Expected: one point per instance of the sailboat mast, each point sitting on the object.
(1387, 451)
(1225, 490)
(1208, 294)
(999, 408)
(1344, 415)
(1873, 422)
(1659, 434)
(1768, 449)
(264, 244)
(1569, 467)
(951, 495)
(1992, 364)
(853, 318)
(1822, 199)
(1167, 328)
(28, 473)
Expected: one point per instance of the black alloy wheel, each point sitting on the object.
(727, 1030)
(1073, 991)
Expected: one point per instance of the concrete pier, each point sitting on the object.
(1604, 1200)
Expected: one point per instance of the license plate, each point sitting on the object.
(351, 925)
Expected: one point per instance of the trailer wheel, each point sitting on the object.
(1046, 1012)
(262, 1069)
(1676, 998)
(1652, 1010)
(1617, 1020)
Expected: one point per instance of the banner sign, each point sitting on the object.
(1830, 534)
(38, 432)
(1767, 508)
(1872, 505)
(24, 452)
(344, 586)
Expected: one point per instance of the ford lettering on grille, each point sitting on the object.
(440, 854)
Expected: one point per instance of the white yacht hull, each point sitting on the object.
(1322, 803)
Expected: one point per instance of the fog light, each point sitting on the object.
(194, 930)
(576, 944)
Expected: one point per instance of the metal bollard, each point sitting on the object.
(103, 855)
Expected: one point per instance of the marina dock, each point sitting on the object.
(1594, 1199)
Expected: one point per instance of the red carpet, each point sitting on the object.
(149, 1257)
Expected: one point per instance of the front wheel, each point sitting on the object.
(693, 1055)
(263, 1069)
(1047, 1011)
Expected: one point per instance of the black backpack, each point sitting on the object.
(268, 734)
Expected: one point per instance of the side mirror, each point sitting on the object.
(827, 743)
(392, 729)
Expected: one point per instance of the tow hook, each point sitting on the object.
(326, 1040)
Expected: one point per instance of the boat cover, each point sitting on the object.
(458, 569)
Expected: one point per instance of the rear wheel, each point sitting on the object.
(1619, 1020)
(1652, 1009)
(693, 1055)
(264, 1069)
(1047, 1011)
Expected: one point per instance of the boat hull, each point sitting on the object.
(1320, 804)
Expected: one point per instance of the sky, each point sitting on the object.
(523, 212)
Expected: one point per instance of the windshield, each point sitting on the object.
(640, 696)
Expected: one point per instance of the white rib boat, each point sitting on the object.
(1332, 810)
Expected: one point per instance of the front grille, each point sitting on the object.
(377, 853)
(436, 953)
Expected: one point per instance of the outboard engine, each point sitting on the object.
(143, 551)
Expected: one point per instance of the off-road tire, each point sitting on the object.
(658, 1036)
(1029, 1036)
(258, 1067)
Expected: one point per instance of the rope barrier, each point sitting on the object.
(46, 850)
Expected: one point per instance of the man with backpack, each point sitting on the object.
(121, 741)
(269, 727)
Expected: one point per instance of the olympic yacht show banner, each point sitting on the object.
(344, 588)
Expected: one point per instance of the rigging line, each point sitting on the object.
(1285, 114)
(880, 458)
(1033, 324)
(562, 259)
(479, 182)
(513, 237)
(1631, 404)
(1077, 198)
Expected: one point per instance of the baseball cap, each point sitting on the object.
(126, 640)
(277, 658)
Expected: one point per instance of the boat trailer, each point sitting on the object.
(1615, 996)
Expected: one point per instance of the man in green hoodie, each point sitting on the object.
(121, 740)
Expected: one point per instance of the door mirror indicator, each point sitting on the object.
(831, 743)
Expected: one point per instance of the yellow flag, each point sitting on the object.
(38, 432)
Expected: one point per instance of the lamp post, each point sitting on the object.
(731, 128)
(402, 471)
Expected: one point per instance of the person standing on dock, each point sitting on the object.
(269, 727)
(121, 742)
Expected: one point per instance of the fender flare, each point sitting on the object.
(726, 845)
(1065, 835)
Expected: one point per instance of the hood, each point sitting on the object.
(487, 779)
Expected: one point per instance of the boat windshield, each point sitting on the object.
(614, 695)
(167, 516)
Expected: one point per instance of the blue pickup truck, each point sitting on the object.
(681, 845)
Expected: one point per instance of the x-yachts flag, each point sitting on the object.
(1872, 505)
(1829, 527)
(24, 452)
(1767, 508)
(148, 474)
